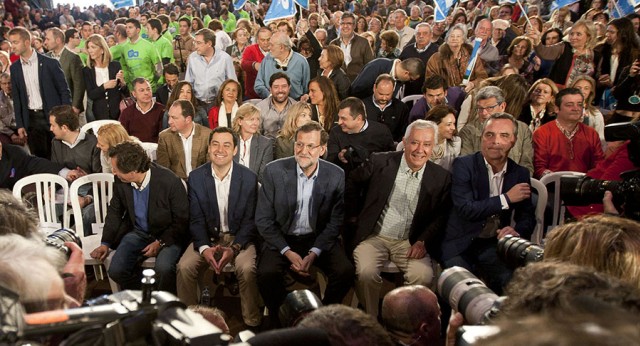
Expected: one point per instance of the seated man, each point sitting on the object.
(436, 91)
(393, 225)
(143, 119)
(148, 217)
(222, 198)
(299, 215)
(488, 188)
(411, 315)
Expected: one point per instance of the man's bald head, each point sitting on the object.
(411, 314)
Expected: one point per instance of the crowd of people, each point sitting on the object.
(352, 135)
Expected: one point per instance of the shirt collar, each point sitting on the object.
(145, 181)
(32, 60)
(81, 137)
(304, 176)
(423, 49)
(375, 103)
(286, 60)
(153, 103)
(490, 169)
(404, 168)
(226, 177)
(393, 70)
(193, 128)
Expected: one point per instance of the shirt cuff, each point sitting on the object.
(285, 249)
(202, 248)
(64, 172)
(106, 244)
(503, 202)
(316, 251)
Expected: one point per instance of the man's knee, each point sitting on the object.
(420, 275)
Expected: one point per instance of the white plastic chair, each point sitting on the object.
(411, 99)
(102, 186)
(558, 207)
(96, 124)
(538, 232)
(151, 149)
(46, 187)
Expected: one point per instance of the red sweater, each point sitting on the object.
(144, 126)
(250, 55)
(553, 150)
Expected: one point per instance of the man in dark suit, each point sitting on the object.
(299, 214)
(421, 48)
(148, 217)
(357, 51)
(71, 66)
(222, 197)
(487, 189)
(38, 84)
(403, 215)
(401, 71)
(171, 73)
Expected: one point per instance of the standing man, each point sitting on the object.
(282, 58)
(356, 49)
(488, 189)
(401, 72)
(183, 146)
(148, 217)
(405, 32)
(488, 53)
(141, 59)
(222, 198)
(384, 108)
(422, 49)
(403, 214)
(252, 59)
(299, 214)
(162, 45)
(208, 68)
(37, 84)
(273, 109)
(71, 66)
(143, 119)
(183, 44)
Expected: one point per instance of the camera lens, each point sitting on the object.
(517, 252)
(466, 294)
(61, 236)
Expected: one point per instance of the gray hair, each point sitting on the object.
(283, 39)
(489, 92)
(501, 115)
(422, 125)
(426, 25)
(459, 26)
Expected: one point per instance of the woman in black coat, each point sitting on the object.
(331, 60)
(104, 80)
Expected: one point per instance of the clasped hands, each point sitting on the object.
(301, 265)
(224, 255)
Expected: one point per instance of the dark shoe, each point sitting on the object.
(231, 283)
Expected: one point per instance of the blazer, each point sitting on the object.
(277, 203)
(341, 82)
(72, 67)
(362, 86)
(168, 211)
(361, 54)
(171, 154)
(261, 154)
(106, 103)
(16, 164)
(204, 220)
(53, 88)
(472, 205)
(430, 217)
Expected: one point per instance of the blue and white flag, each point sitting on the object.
(303, 3)
(442, 9)
(472, 61)
(622, 8)
(561, 3)
(280, 9)
(239, 4)
(122, 3)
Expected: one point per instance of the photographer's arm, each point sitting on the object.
(607, 203)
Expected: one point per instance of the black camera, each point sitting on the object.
(517, 252)
(355, 155)
(61, 236)
(468, 295)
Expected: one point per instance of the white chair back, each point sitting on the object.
(538, 232)
(558, 208)
(411, 100)
(96, 124)
(151, 149)
(102, 186)
(46, 187)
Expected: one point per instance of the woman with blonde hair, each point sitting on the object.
(591, 115)
(104, 79)
(540, 109)
(254, 150)
(108, 136)
(297, 115)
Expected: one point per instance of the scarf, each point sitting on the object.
(222, 115)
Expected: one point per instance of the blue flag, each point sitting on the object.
(442, 9)
(303, 3)
(561, 3)
(623, 8)
(122, 3)
(280, 9)
(239, 4)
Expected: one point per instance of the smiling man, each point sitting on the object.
(403, 215)
(488, 188)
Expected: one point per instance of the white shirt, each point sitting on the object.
(145, 181)
(31, 81)
(222, 196)
(245, 151)
(81, 136)
(102, 75)
(346, 49)
(187, 145)
(495, 184)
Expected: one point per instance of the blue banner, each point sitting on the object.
(239, 4)
(472, 60)
(122, 3)
(303, 3)
(442, 9)
(280, 9)
(561, 3)
(622, 8)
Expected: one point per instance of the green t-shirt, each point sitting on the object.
(164, 48)
(168, 36)
(117, 53)
(83, 56)
(144, 34)
(229, 25)
(140, 60)
(207, 20)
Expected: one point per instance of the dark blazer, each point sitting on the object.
(277, 203)
(261, 154)
(163, 93)
(168, 212)
(434, 201)
(106, 103)
(361, 54)
(362, 86)
(204, 221)
(53, 88)
(16, 164)
(72, 67)
(341, 82)
(472, 205)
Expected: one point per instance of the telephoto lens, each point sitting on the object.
(61, 236)
(296, 305)
(467, 294)
(517, 252)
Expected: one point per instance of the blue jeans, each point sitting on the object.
(126, 270)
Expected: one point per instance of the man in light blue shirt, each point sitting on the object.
(207, 68)
(282, 58)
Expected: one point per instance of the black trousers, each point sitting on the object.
(39, 134)
(272, 267)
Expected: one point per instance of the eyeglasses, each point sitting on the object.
(310, 147)
(490, 108)
(280, 67)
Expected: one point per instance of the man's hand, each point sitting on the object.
(607, 203)
(507, 231)
(76, 110)
(152, 249)
(100, 253)
(209, 256)
(22, 133)
(341, 156)
(76, 286)
(605, 80)
(417, 250)
(75, 174)
(15, 139)
(455, 322)
(307, 262)
(227, 256)
(295, 259)
(519, 192)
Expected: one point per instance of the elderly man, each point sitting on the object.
(282, 58)
(489, 54)
(411, 315)
(405, 32)
(356, 49)
(403, 214)
(252, 59)
(423, 49)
